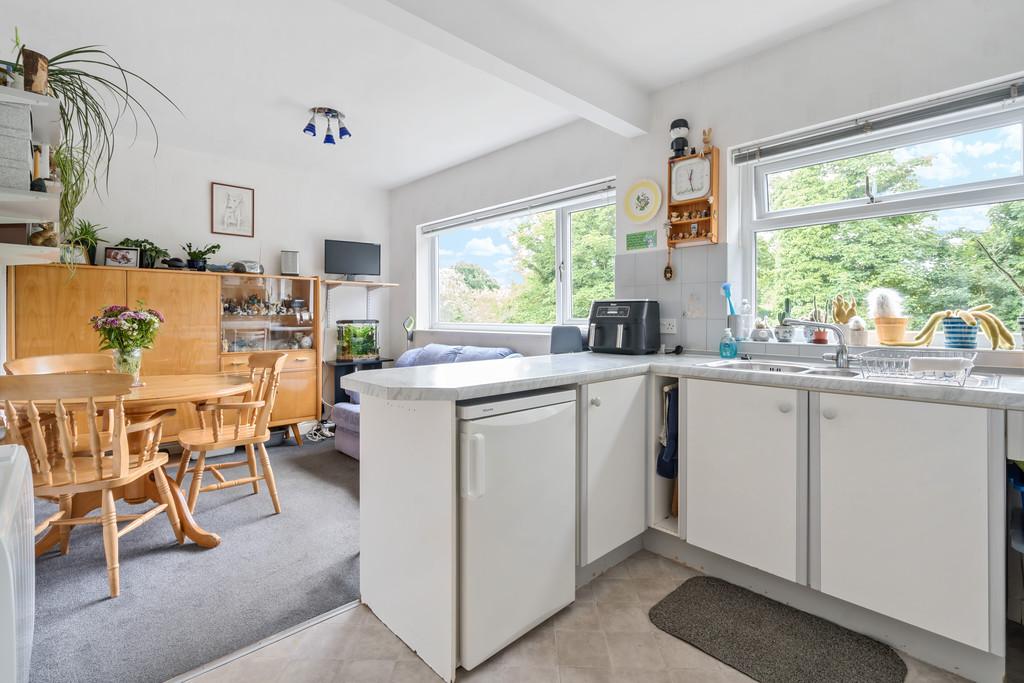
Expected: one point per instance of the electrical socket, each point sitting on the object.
(668, 325)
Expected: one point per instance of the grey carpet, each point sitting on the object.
(182, 606)
(769, 641)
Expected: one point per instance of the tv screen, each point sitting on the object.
(351, 258)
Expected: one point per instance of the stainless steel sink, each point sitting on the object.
(831, 372)
(759, 366)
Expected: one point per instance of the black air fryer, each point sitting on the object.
(629, 326)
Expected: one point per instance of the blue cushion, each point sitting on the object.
(409, 357)
(471, 353)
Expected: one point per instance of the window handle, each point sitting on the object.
(561, 270)
(867, 188)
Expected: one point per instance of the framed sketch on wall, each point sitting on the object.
(232, 210)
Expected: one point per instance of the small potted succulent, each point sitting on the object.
(197, 257)
(149, 253)
(761, 331)
(784, 332)
(819, 335)
(886, 307)
(858, 331)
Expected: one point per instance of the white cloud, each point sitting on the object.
(973, 218)
(982, 149)
(485, 246)
(446, 252)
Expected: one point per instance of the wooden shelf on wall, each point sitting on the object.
(359, 283)
(679, 231)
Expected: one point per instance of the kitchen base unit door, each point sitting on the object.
(904, 511)
(613, 486)
(745, 473)
(517, 525)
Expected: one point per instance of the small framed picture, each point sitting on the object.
(121, 257)
(232, 210)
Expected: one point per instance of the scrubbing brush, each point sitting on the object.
(727, 293)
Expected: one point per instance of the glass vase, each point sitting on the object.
(129, 362)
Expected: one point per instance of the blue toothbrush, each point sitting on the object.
(727, 293)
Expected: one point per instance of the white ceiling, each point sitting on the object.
(656, 43)
(244, 73)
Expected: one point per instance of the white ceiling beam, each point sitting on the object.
(489, 36)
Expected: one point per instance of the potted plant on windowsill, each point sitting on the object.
(784, 332)
(819, 335)
(149, 253)
(197, 257)
(886, 307)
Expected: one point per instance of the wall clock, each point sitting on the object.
(690, 179)
(642, 200)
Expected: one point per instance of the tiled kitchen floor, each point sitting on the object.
(603, 637)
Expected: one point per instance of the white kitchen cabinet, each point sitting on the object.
(613, 447)
(744, 467)
(902, 513)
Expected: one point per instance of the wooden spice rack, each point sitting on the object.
(681, 230)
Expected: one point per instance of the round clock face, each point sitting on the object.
(691, 179)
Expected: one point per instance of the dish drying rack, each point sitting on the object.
(895, 363)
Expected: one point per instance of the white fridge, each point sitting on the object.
(517, 517)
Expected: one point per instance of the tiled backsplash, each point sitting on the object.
(693, 297)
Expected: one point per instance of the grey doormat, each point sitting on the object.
(769, 641)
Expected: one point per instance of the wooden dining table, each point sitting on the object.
(160, 392)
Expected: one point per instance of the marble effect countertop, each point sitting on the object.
(462, 381)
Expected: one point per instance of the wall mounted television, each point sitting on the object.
(351, 258)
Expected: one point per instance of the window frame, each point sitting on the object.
(563, 263)
(756, 217)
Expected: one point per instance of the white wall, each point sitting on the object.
(898, 52)
(167, 199)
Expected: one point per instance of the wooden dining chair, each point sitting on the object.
(47, 406)
(247, 424)
(61, 364)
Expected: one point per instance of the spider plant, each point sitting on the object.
(86, 80)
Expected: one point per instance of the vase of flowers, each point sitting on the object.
(127, 332)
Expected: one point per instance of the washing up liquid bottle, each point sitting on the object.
(727, 346)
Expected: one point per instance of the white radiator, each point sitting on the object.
(17, 565)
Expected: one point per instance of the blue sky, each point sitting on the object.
(486, 245)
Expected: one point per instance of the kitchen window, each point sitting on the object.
(526, 266)
(901, 205)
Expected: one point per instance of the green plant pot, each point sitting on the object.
(196, 265)
(147, 259)
(92, 255)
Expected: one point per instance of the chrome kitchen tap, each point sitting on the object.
(842, 354)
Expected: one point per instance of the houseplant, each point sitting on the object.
(784, 332)
(126, 332)
(197, 257)
(1009, 276)
(87, 80)
(149, 253)
(83, 238)
(819, 335)
(72, 167)
(886, 307)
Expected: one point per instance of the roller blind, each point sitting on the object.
(523, 206)
(994, 94)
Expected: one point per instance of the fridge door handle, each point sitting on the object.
(473, 476)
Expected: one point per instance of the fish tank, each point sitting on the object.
(357, 340)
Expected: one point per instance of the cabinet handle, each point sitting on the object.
(828, 414)
(238, 362)
(301, 360)
(596, 402)
(785, 408)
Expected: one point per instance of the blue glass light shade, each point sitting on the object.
(310, 129)
(329, 138)
(343, 132)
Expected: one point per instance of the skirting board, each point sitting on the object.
(928, 647)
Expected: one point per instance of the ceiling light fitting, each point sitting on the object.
(334, 119)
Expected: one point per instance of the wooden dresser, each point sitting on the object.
(209, 326)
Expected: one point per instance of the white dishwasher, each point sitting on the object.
(517, 517)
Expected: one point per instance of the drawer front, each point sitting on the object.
(296, 397)
(296, 361)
